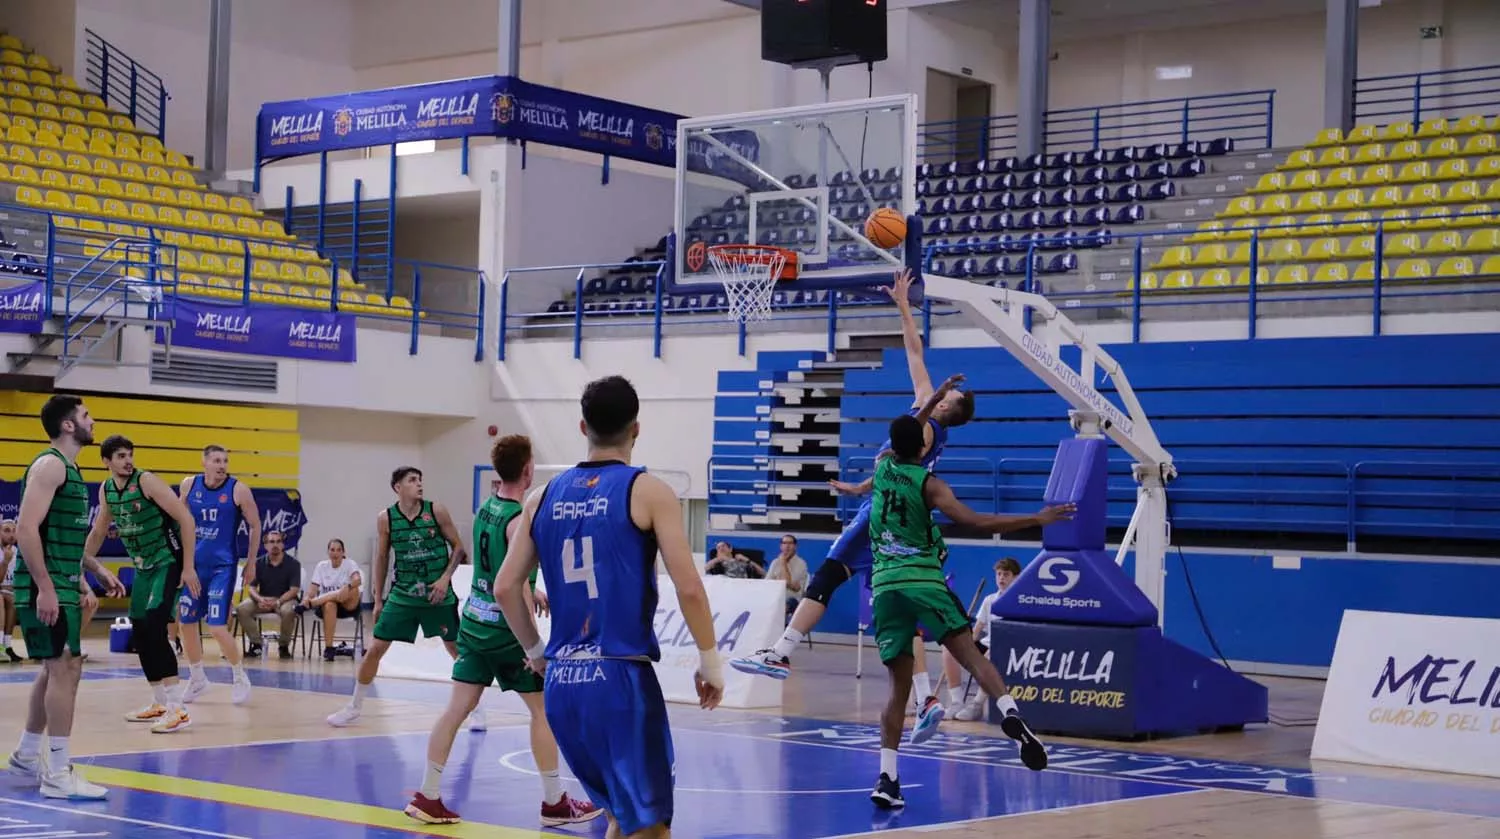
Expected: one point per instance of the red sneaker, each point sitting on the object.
(568, 811)
(431, 810)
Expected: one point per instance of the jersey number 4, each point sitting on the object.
(578, 563)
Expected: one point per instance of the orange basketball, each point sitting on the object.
(886, 228)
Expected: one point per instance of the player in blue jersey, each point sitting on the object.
(939, 410)
(218, 503)
(596, 530)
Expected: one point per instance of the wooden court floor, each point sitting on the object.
(274, 768)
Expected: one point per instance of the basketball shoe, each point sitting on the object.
(430, 810)
(569, 810)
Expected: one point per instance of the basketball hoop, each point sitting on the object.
(749, 274)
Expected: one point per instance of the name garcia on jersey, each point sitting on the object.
(597, 505)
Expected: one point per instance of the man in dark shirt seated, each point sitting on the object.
(278, 582)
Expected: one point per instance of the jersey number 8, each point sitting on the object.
(578, 563)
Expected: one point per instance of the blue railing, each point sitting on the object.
(1360, 506)
(460, 293)
(124, 278)
(126, 85)
(1414, 97)
(1248, 118)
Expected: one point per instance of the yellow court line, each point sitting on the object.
(300, 805)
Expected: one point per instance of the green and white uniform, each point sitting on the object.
(487, 651)
(907, 579)
(421, 558)
(64, 531)
(154, 542)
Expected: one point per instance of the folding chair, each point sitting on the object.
(313, 639)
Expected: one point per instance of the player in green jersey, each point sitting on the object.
(52, 595)
(910, 589)
(427, 548)
(158, 532)
(489, 654)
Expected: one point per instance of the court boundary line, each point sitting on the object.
(936, 826)
(278, 742)
(75, 811)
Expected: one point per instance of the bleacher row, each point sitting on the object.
(65, 153)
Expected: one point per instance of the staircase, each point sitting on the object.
(361, 231)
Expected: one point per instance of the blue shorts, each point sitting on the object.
(214, 597)
(610, 722)
(852, 548)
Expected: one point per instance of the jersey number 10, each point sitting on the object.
(578, 563)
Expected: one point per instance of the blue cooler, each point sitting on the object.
(119, 636)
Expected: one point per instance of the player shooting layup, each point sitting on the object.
(910, 589)
(218, 503)
(850, 554)
(427, 549)
(595, 530)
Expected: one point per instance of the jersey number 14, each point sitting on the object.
(578, 563)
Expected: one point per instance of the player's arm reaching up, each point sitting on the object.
(933, 401)
(456, 552)
(939, 495)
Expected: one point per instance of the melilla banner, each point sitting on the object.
(22, 307)
(278, 331)
(492, 106)
(1413, 691)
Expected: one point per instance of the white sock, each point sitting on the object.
(195, 672)
(788, 643)
(358, 699)
(552, 788)
(57, 754)
(888, 762)
(174, 695)
(921, 684)
(955, 696)
(239, 672)
(4, 640)
(30, 744)
(1007, 706)
(159, 693)
(432, 781)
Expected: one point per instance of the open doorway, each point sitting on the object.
(957, 112)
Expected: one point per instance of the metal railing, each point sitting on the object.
(260, 280)
(1415, 97)
(1247, 118)
(126, 85)
(122, 281)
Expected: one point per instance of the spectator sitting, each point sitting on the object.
(277, 582)
(731, 564)
(333, 593)
(9, 557)
(792, 568)
(1006, 571)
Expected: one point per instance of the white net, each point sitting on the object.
(749, 274)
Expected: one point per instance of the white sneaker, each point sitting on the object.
(343, 716)
(477, 722)
(71, 785)
(240, 693)
(25, 766)
(195, 688)
(973, 709)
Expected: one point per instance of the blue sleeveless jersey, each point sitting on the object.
(600, 568)
(929, 460)
(217, 519)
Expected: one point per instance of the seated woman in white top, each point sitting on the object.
(333, 592)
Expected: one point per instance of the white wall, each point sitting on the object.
(280, 49)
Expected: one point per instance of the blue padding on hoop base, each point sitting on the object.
(1073, 580)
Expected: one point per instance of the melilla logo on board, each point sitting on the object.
(1456, 694)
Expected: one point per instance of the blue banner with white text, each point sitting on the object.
(22, 307)
(278, 331)
(495, 106)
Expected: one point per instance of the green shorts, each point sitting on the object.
(46, 642)
(504, 664)
(399, 622)
(153, 589)
(898, 611)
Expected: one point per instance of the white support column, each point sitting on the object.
(1152, 536)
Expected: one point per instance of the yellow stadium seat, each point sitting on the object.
(1386, 196)
(1466, 125)
(171, 216)
(1262, 276)
(54, 178)
(1413, 269)
(215, 264)
(1207, 232)
(1487, 167)
(1174, 256)
(300, 295)
(1432, 128)
(1395, 220)
(11, 42)
(264, 270)
(240, 204)
(317, 274)
(259, 249)
(1414, 172)
(12, 56)
(1215, 254)
(1307, 179)
(17, 89)
(221, 222)
(1461, 192)
(1309, 202)
(1369, 153)
(38, 61)
(1348, 199)
(120, 122)
(214, 201)
(1332, 272)
(189, 197)
(58, 200)
(41, 84)
(1451, 170)
(142, 213)
(247, 226)
(1360, 247)
(401, 303)
(151, 142)
(115, 208)
(291, 272)
(163, 194)
(30, 196)
(1300, 159)
(81, 183)
(87, 204)
(123, 139)
(1324, 249)
(1445, 242)
(1212, 278)
(1336, 156)
(1428, 193)
(1479, 144)
(187, 261)
(1276, 204)
(97, 118)
(74, 143)
(198, 219)
(1491, 266)
(1407, 150)
(1243, 205)
(23, 173)
(1328, 137)
(1432, 218)
(50, 159)
(1240, 255)
(1284, 250)
(1291, 274)
(1175, 279)
(1365, 272)
(1441, 147)
(1395, 131)
(272, 227)
(1455, 266)
(111, 187)
(151, 156)
(183, 178)
(1269, 182)
(1341, 177)
(106, 168)
(1278, 227)
(127, 153)
(1483, 241)
(77, 163)
(1473, 215)
(10, 71)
